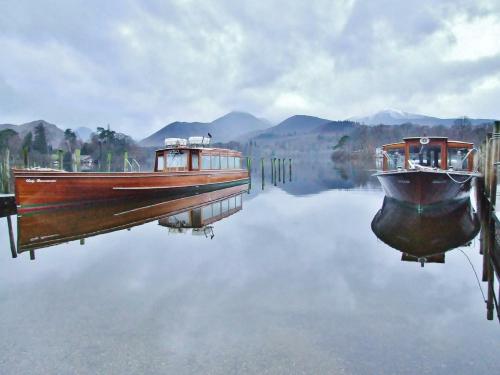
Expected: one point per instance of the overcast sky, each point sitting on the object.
(139, 65)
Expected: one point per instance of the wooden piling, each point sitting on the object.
(279, 170)
(275, 171)
(262, 172)
(125, 161)
(11, 238)
(25, 157)
(6, 172)
(109, 161)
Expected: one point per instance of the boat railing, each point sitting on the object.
(131, 166)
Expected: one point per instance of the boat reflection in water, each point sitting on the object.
(198, 212)
(425, 235)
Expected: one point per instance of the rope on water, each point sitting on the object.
(475, 273)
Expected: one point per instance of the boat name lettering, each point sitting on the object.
(175, 152)
(32, 181)
(404, 181)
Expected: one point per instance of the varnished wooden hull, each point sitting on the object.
(422, 233)
(37, 190)
(51, 227)
(424, 188)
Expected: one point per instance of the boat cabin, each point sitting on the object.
(195, 155)
(433, 152)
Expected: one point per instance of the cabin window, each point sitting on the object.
(237, 163)
(180, 220)
(216, 209)
(426, 155)
(225, 205)
(194, 160)
(230, 162)
(205, 162)
(457, 159)
(206, 212)
(223, 162)
(395, 158)
(176, 160)
(215, 162)
(238, 201)
(160, 164)
(232, 203)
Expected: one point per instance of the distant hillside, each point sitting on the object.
(397, 117)
(224, 129)
(53, 133)
(298, 124)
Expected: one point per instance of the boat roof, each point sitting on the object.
(431, 138)
(197, 148)
(414, 138)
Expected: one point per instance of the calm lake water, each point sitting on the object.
(293, 282)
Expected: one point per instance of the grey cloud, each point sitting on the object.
(139, 65)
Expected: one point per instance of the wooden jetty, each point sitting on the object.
(486, 194)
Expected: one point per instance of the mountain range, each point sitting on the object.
(53, 134)
(242, 126)
(397, 117)
(223, 129)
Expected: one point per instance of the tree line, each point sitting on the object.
(105, 149)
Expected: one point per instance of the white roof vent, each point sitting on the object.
(175, 142)
(196, 141)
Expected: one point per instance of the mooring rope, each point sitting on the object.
(459, 182)
(475, 273)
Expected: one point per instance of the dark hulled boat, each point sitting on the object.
(425, 235)
(425, 171)
(179, 167)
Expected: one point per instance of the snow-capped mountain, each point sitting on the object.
(397, 117)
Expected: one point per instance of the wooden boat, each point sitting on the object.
(426, 235)
(427, 170)
(179, 166)
(52, 227)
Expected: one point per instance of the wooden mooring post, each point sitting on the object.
(486, 193)
(11, 238)
(262, 172)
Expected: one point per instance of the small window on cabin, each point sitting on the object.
(194, 160)
(215, 162)
(180, 220)
(238, 201)
(237, 163)
(205, 162)
(232, 203)
(176, 160)
(225, 205)
(216, 209)
(160, 166)
(395, 158)
(223, 162)
(230, 161)
(457, 158)
(426, 155)
(206, 212)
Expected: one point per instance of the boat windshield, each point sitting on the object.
(457, 158)
(395, 158)
(426, 155)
